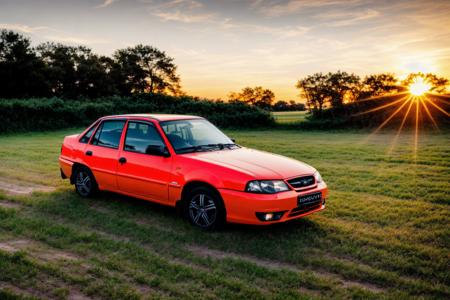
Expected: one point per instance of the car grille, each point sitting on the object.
(304, 209)
(302, 182)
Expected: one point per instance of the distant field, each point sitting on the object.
(286, 117)
(385, 232)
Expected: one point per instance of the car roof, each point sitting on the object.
(158, 117)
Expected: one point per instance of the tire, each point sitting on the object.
(204, 208)
(85, 184)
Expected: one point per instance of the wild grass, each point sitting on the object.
(385, 232)
(290, 117)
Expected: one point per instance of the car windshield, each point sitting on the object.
(196, 135)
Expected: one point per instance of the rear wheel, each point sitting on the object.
(204, 208)
(85, 184)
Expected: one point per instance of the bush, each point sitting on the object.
(54, 113)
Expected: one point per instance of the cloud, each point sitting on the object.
(75, 40)
(188, 4)
(184, 11)
(179, 16)
(48, 33)
(271, 9)
(106, 3)
(279, 31)
(283, 32)
(348, 18)
(22, 27)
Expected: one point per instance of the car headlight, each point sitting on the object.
(318, 177)
(266, 186)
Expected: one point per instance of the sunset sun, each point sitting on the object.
(419, 87)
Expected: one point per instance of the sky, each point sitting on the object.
(222, 46)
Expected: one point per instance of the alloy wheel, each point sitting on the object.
(83, 183)
(202, 210)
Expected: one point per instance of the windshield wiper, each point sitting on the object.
(194, 148)
(207, 147)
(222, 146)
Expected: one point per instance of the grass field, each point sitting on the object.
(385, 232)
(289, 117)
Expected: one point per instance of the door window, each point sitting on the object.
(142, 138)
(109, 133)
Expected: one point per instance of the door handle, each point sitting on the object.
(122, 160)
(89, 153)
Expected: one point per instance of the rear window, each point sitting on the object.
(109, 133)
(87, 136)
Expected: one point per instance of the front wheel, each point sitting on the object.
(205, 209)
(85, 184)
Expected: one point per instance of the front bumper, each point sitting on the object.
(242, 207)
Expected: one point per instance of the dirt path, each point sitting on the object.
(22, 188)
(9, 204)
(37, 250)
(270, 264)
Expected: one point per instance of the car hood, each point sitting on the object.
(260, 164)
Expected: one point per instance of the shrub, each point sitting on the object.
(54, 113)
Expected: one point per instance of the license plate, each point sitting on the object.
(310, 199)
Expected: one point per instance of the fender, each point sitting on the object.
(199, 175)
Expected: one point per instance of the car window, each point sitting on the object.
(141, 137)
(108, 134)
(184, 134)
(87, 136)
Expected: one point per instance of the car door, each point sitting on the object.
(101, 155)
(143, 172)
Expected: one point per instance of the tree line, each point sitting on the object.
(57, 70)
(74, 72)
(264, 98)
(334, 89)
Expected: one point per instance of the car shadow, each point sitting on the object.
(304, 226)
(146, 220)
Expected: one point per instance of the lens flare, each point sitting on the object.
(419, 87)
(417, 103)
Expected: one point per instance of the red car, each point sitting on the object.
(187, 162)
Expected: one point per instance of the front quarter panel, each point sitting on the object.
(186, 169)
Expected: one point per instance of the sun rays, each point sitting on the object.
(417, 107)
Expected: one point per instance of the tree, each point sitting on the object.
(379, 85)
(282, 105)
(437, 84)
(21, 71)
(61, 63)
(76, 72)
(296, 106)
(94, 78)
(342, 87)
(145, 69)
(332, 89)
(257, 96)
(314, 88)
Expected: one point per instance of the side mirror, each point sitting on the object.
(157, 150)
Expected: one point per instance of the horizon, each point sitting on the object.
(222, 47)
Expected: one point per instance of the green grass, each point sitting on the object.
(289, 117)
(385, 232)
